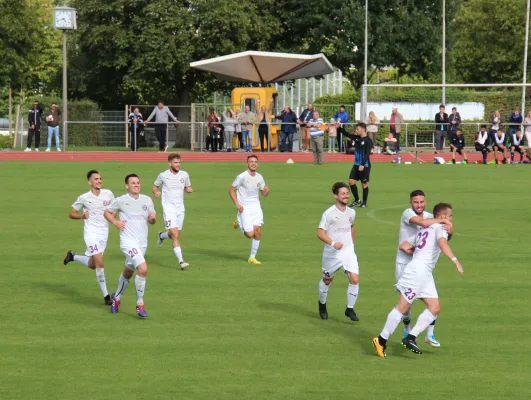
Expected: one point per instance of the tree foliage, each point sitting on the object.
(488, 43)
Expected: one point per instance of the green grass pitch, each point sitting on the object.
(225, 329)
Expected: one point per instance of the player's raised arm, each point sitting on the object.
(447, 251)
(425, 223)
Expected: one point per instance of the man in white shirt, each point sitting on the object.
(96, 229)
(413, 219)
(416, 281)
(244, 193)
(136, 211)
(175, 183)
(337, 231)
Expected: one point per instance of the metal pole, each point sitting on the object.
(313, 90)
(444, 52)
(10, 110)
(65, 95)
(522, 112)
(306, 93)
(366, 41)
(298, 92)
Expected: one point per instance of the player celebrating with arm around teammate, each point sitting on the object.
(244, 193)
(96, 228)
(175, 182)
(362, 165)
(412, 219)
(136, 211)
(416, 281)
(337, 231)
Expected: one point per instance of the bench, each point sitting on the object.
(430, 150)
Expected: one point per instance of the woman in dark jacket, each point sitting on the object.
(288, 128)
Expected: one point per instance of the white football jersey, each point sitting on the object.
(135, 212)
(407, 230)
(426, 242)
(173, 189)
(248, 188)
(95, 225)
(338, 226)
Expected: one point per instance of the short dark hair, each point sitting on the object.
(441, 208)
(252, 156)
(459, 130)
(416, 193)
(484, 126)
(91, 172)
(131, 176)
(338, 186)
(454, 108)
(500, 130)
(173, 156)
(361, 125)
(341, 106)
(518, 130)
(160, 102)
(442, 105)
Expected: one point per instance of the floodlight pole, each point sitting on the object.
(444, 52)
(522, 111)
(366, 40)
(65, 96)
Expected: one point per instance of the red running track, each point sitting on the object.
(124, 156)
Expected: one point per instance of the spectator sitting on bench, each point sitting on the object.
(390, 143)
(517, 141)
(457, 145)
(482, 141)
(499, 145)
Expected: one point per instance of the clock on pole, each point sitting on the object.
(64, 18)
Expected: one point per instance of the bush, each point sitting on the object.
(6, 141)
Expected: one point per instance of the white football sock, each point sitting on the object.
(352, 295)
(431, 328)
(393, 319)
(82, 259)
(164, 235)
(178, 253)
(100, 276)
(122, 285)
(323, 291)
(254, 248)
(140, 284)
(424, 320)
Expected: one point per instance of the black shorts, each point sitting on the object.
(357, 175)
(518, 149)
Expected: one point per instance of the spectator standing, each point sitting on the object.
(372, 127)
(496, 122)
(53, 120)
(263, 118)
(303, 119)
(454, 119)
(341, 117)
(136, 127)
(246, 120)
(482, 141)
(515, 118)
(332, 134)
(34, 120)
(317, 137)
(238, 129)
(395, 127)
(288, 128)
(161, 113)
(441, 125)
(213, 134)
(229, 122)
(527, 128)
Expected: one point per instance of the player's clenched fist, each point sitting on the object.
(338, 245)
(86, 215)
(120, 224)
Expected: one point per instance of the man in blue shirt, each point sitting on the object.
(341, 117)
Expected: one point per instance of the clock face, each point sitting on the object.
(64, 19)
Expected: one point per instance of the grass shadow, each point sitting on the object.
(70, 293)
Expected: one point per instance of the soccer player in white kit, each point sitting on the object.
(175, 182)
(412, 219)
(416, 281)
(136, 211)
(96, 229)
(244, 193)
(337, 231)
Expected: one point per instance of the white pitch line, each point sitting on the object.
(372, 215)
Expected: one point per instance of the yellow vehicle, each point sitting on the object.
(252, 97)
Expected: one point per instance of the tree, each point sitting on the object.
(128, 52)
(30, 49)
(402, 33)
(488, 41)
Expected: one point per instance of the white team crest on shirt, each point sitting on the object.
(362, 143)
(106, 203)
(182, 180)
(144, 207)
(350, 219)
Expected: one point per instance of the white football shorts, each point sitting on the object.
(134, 254)
(416, 282)
(347, 261)
(95, 245)
(248, 219)
(174, 219)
